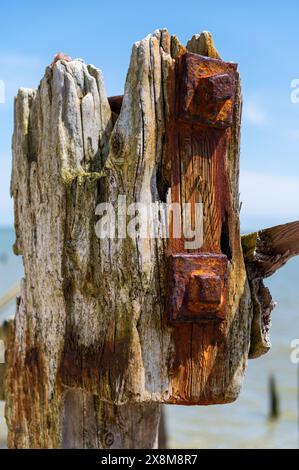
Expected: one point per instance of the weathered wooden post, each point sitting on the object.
(109, 328)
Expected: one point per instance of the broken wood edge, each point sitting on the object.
(269, 249)
(203, 44)
(265, 252)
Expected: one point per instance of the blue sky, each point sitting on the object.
(263, 37)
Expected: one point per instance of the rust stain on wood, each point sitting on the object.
(92, 367)
(202, 96)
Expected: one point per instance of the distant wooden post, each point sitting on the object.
(106, 329)
(274, 410)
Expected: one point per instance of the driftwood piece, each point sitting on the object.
(269, 249)
(91, 350)
(265, 252)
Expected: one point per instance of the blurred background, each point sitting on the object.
(262, 38)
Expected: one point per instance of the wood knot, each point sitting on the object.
(109, 439)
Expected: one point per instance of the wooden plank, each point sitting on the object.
(201, 167)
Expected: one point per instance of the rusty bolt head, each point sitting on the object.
(206, 91)
(204, 291)
(218, 88)
(109, 439)
(197, 287)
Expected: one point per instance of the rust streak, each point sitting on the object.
(201, 96)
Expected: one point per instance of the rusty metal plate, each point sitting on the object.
(197, 287)
(206, 91)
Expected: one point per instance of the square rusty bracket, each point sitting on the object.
(198, 284)
(206, 91)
